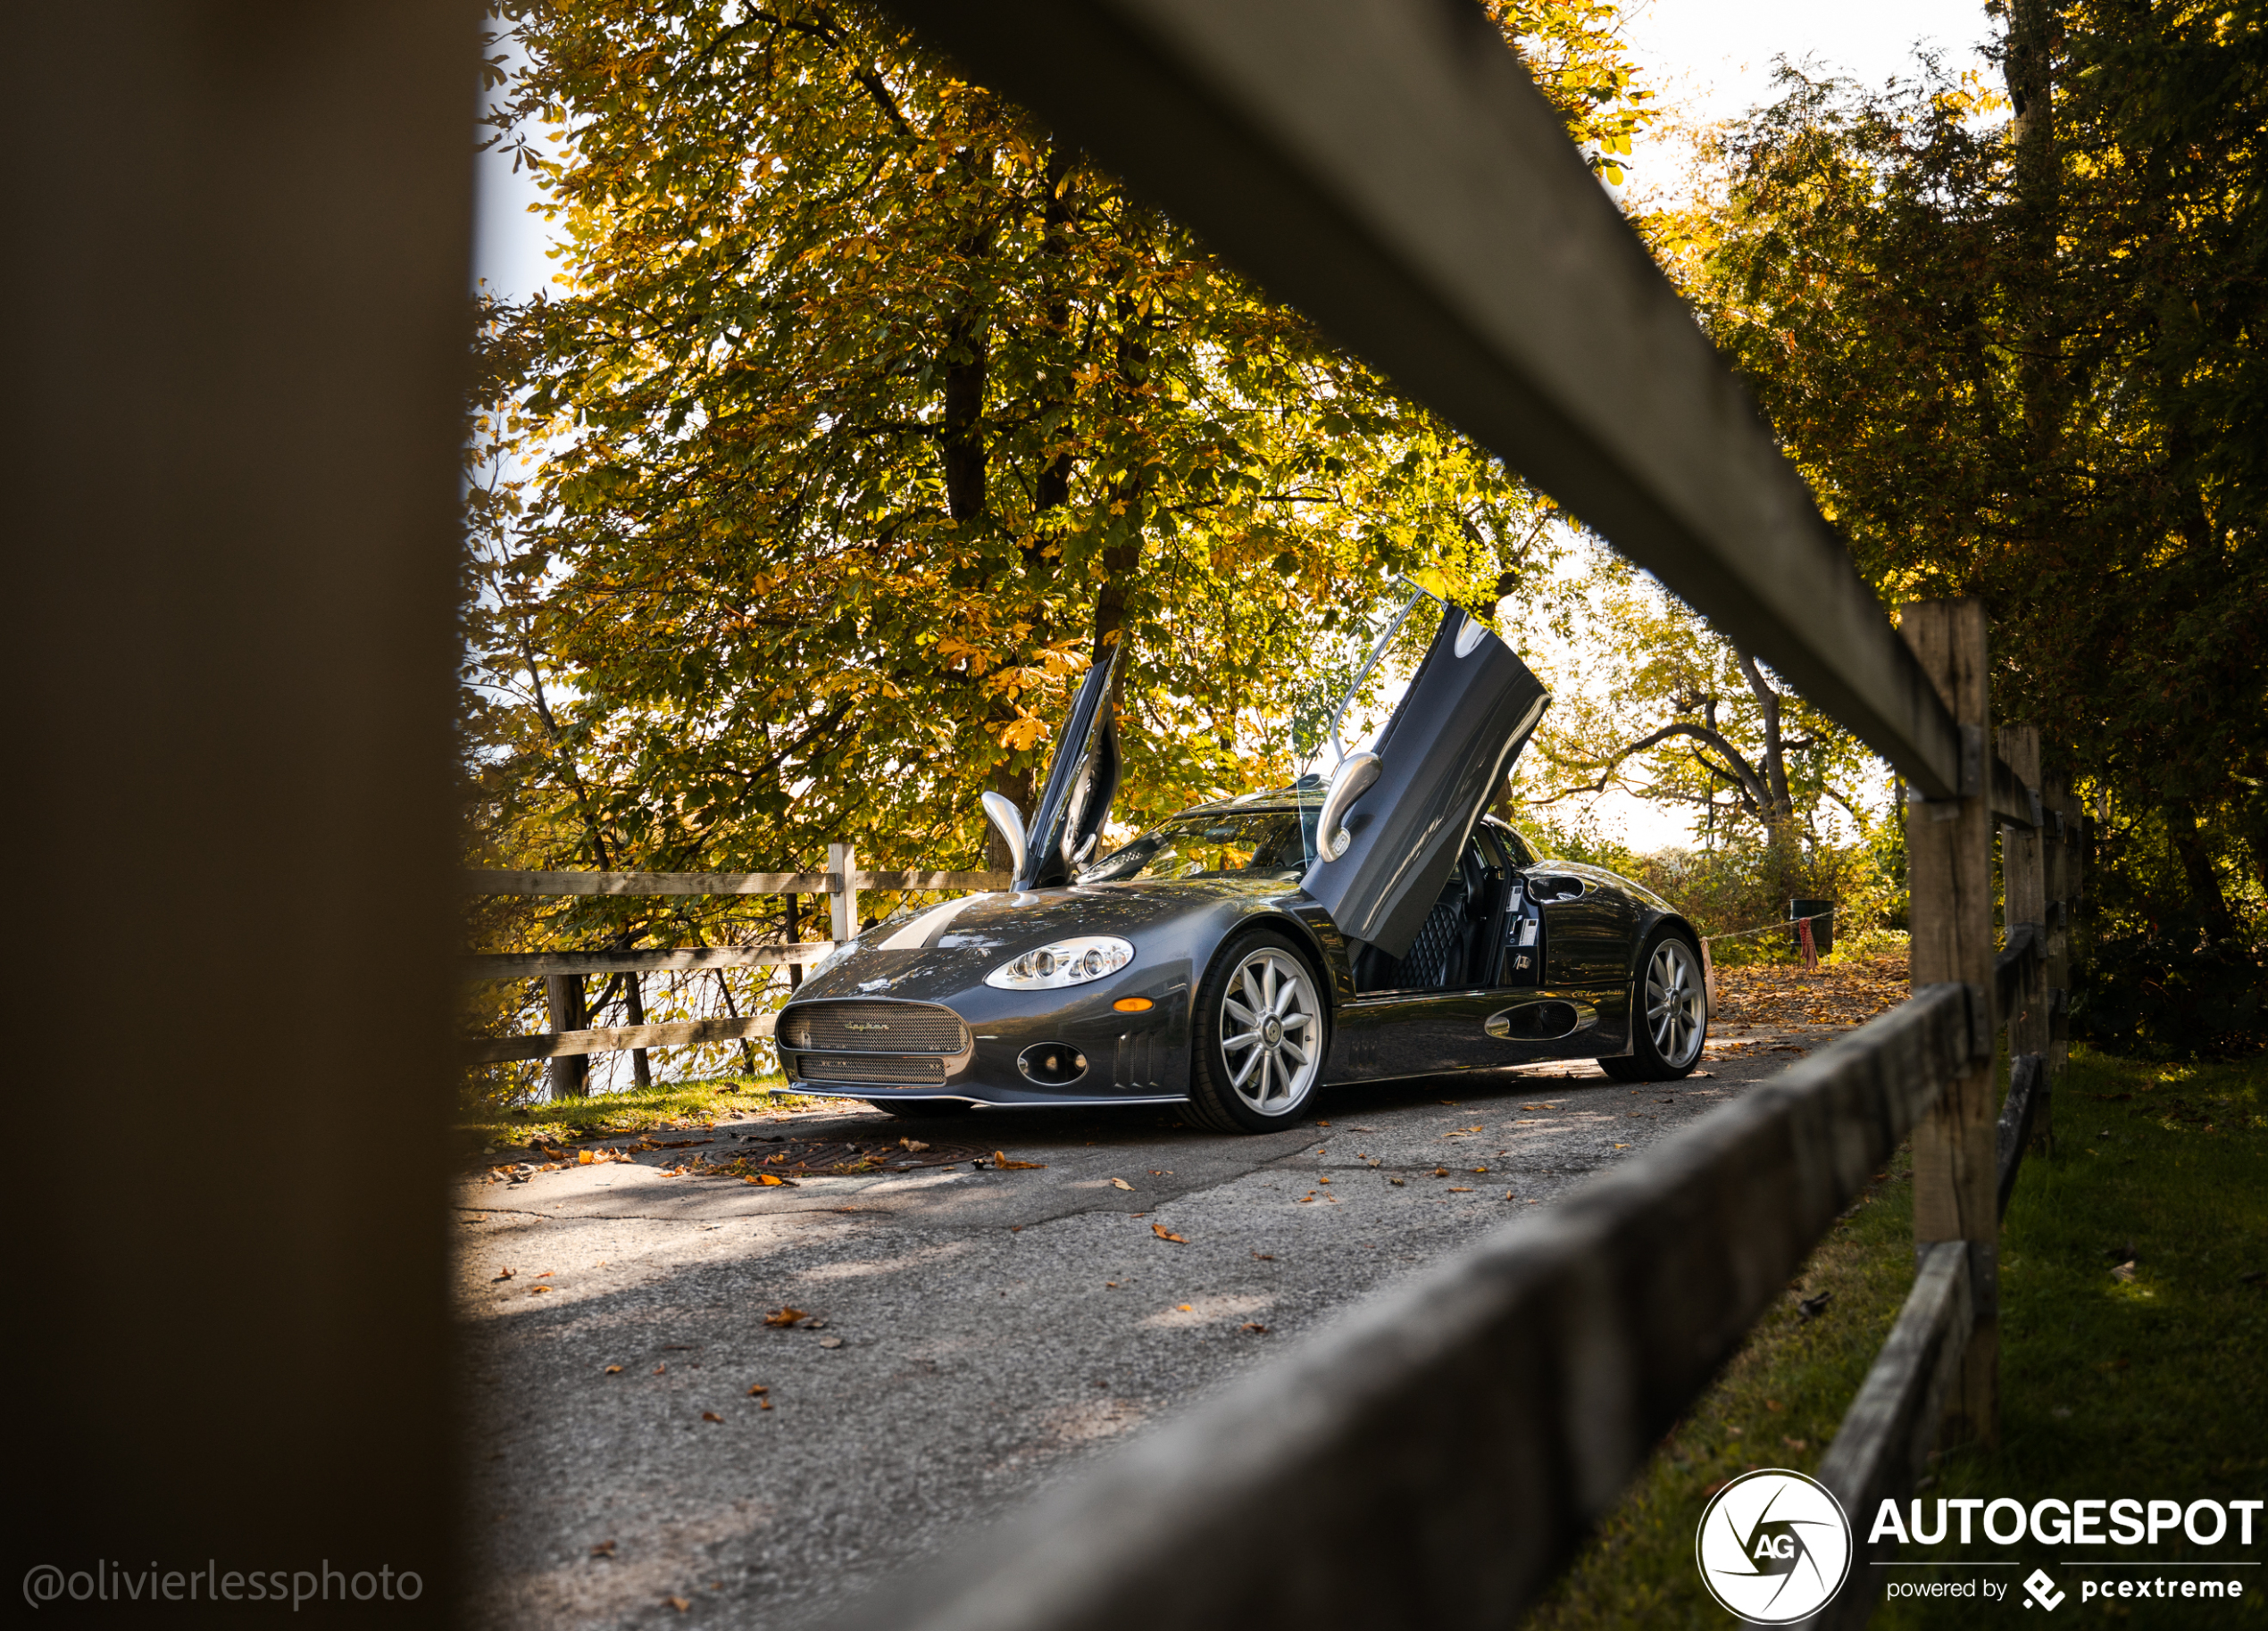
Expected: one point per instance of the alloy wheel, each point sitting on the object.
(1270, 1032)
(1676, 1007)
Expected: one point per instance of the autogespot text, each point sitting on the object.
(112, 1583)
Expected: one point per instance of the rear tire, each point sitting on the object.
(1261, 1034)
(1670, 1016)
(919, 1110)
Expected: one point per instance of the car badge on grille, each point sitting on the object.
(864, 1024)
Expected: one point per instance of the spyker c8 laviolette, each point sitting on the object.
(1246, 953)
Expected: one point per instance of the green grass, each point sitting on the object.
(2153, 1387)
(483, 1123)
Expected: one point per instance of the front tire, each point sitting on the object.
(1670, 1021)
(1262, 1032)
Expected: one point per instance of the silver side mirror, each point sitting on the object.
(1349, 782)
(1009, 822)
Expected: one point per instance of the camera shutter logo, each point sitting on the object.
(1773, 1547)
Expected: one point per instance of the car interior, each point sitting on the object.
(1484, 911)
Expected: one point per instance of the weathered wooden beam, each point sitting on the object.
(2063, 872)
(495, 882)
(2013, 964)
(2016, 799)
(1430, 1457)
(2027, 1095)
(1891, 1426)
(570, 1045)
(915, 882)
(1950, 912)
(843, 908)
(1389, 167)
(649, 883)
(535, 965)
(2025, 899)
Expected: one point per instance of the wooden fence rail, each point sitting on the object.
(1430, 1459)
(570, 1041)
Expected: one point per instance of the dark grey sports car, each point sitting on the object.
(1245, 953)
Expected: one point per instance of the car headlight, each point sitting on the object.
(1064, 962)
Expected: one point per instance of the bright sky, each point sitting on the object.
(1711, 59)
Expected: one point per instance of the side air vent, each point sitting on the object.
(1544, 1021)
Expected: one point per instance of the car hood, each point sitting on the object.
(965, 939)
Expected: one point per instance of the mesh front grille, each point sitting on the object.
(855, 1027)
(870, 1068)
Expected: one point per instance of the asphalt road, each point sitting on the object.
(968, 1334)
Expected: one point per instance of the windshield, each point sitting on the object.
(1231, 843)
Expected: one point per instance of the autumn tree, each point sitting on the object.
(865, 414)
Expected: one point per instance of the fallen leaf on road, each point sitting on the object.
(758, 1391)
(1480, 1169)
(764, 1404)
(1396, 1182)
(1163, 1233)
(1183, 1307)
(1441, 1172)
(547, 1274)
(785, 1315)
(1256, 1328)
(506, 1274)
(659, 1369)
(1001, 1160)
(537, 1291)
(680, 1603)
(1456, 1191)
(830, 1341)
(1122, 1184)
(613, 1370)
(1263, 1257)
(605, 1549)
(914, 1145)
(711, 1416)
(1322, 1124)
(583, 1157)
(772, 1181)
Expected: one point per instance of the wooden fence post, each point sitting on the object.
(2064, 846)
(2024, 895)
(563, 997)
(841, 859)
(1948, 846)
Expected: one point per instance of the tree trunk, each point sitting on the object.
(962, 441)
(634, 998)
(2196, 868)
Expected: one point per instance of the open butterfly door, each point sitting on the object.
(1395, 818)
(1082, 779)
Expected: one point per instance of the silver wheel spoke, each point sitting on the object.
(1270, 994)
